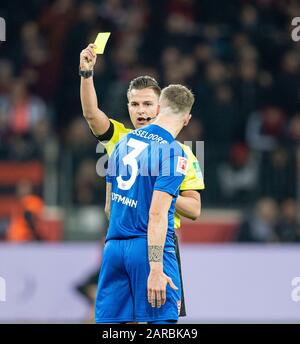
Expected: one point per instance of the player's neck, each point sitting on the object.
(169, 123)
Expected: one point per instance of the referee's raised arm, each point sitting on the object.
(97, 119)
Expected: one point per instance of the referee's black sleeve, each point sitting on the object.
(107, 135)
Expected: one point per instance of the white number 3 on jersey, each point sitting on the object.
(130, 159)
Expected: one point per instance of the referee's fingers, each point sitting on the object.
(91, 51)
(89, 54)
(92, 46)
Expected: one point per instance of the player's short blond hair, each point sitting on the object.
(178, 97)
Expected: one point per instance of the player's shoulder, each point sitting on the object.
(176, 149)
(179, 144)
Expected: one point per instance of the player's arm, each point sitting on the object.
(97, 119)
(157, 231)
(188, 204)
(108, 200)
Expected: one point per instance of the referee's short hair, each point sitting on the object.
(143, 82)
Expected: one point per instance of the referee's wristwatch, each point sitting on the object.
(86, 73)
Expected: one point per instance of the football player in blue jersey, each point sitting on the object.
(143, 96)
(139, 279)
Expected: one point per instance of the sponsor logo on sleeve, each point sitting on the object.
(182, 165)
(197, 169)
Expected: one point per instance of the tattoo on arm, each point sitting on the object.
(155, 253)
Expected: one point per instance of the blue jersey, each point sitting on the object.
(145, 160)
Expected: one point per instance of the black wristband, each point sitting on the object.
(86, 73)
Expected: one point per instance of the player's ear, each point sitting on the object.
(187, 119)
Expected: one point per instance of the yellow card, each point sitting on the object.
(101, 41)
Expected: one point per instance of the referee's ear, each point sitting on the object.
(158, 109)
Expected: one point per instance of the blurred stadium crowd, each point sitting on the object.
(237, 57)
